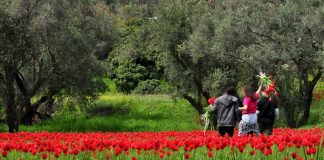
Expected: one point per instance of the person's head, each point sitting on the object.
(248, 92)
(231, 91)
(264, 92)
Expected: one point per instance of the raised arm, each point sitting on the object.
(259, 89)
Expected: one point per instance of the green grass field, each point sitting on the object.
(118, 112)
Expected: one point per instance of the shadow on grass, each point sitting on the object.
(108, 110)
(123, 111)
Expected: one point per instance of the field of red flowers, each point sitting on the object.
(283, 144)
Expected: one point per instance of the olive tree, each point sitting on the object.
(187, 33)
(49, 48)
(287, 42)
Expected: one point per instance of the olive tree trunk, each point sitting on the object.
(11, 106)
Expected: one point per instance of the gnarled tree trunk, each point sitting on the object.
(27, 118)
(197, 105)
(11, 106)
(307, 96)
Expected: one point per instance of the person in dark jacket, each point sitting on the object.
(267, 111)
(226, 112)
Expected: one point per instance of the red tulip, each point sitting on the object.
(108, 157)
(308, 151)
(211, 100)
(294, 155)
(210, 154)
(300, 158)
(161, 155)
(252, 153)
(44, 155)
(4, 154)
(57, 154)
(187, 156)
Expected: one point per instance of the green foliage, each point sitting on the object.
(61, 44)
(148, 87)
(133, 60)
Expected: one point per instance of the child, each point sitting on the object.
(267, 112)
(248, 124)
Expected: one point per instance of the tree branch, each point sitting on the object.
(263, 35)
(23, 64)
(314, 43)
(41, 80)
(317, 77)
(272, 2)
(246, 62)
(21, 83)
(193, 103)
(2, 78)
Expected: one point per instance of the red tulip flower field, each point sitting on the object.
(284, 144)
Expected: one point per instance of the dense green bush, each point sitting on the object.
(133, 60)
(148, 87)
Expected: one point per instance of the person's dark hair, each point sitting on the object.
(248, 91)
(231, 91)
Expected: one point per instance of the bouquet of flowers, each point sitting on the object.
(268, 83)
(207, 117)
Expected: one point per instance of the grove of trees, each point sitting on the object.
(193, 49)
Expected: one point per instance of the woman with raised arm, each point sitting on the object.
(248, 124)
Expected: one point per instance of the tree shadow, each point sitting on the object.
(124, 111)
(108, 110)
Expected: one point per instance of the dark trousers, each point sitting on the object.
(266, 127)
(226, 130)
